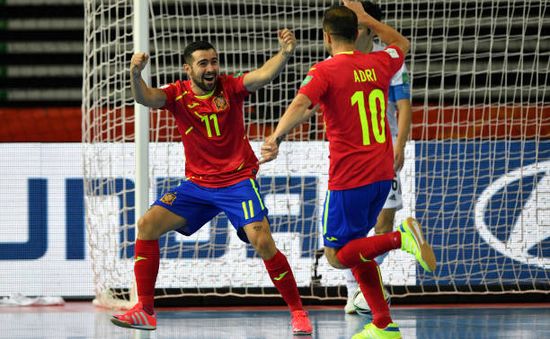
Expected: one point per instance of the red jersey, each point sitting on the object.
(352, 90)
(217, 151)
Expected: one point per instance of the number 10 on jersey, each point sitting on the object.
(377, 117)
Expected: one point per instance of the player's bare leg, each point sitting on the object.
(384, 223)
(259, 235)
(156, 221)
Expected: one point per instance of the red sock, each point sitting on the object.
(281, 274)
(146, 267)
(359, 250)
(370, 281)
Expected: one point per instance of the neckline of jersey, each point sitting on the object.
(345, 52)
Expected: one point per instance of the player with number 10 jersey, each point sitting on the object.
(352, 90)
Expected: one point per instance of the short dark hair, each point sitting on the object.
(341, 21)
(373, 10)
(195, 46)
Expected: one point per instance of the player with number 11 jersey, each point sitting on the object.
(220, 173)
(217, 151)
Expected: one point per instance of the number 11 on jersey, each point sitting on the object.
(377, 118)
(206, 119)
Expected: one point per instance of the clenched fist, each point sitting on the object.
(138, 62)
(287, 40)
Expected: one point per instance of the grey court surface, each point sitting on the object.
(83, 320)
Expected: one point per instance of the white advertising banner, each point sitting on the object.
(44, 246)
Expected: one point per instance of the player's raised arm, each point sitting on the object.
(386, 33)
(296, 113)
(272, 67)
(143, 94)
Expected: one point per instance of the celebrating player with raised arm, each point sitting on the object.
(352, 89)
(398, 113)
(220, 172)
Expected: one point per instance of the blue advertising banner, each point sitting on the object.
(485, 208)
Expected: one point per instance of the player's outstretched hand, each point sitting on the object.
(138, 62)
(269, 150)
(287, 40)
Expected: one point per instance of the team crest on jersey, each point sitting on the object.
(168, 198)
(220, 102)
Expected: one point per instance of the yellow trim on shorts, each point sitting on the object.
(257, 193)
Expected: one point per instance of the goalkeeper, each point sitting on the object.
(220, 170)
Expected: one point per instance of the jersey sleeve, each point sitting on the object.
(314, 86)
(171, 91)
(391, 56)
(400, 77)
(236, 83)
(400, 87)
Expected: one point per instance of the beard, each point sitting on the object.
(202, 84)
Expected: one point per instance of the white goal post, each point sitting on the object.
(477, 173)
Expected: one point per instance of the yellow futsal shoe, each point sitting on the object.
(413, 242)
(372, 332)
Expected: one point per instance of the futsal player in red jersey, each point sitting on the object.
(351, 89)
(220, 170)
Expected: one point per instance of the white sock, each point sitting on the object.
(351, 283)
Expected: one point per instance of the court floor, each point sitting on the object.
(82, 320)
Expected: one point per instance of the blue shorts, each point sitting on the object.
(351, 214)
(241, 202)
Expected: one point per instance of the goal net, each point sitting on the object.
(476, 173)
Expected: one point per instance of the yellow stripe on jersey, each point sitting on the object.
(189, 130)
(181, 95)
(195, 104)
